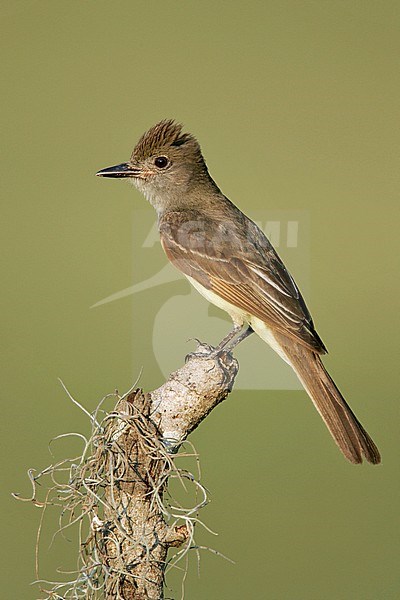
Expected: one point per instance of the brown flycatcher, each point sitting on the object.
(230, 262)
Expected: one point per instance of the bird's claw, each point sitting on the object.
(203, 350)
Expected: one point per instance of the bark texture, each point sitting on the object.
(134, 537)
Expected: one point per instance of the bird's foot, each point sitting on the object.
(203, 350)
(223, 355)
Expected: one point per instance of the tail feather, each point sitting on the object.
(342, 423)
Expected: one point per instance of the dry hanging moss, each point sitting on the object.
(117, 492)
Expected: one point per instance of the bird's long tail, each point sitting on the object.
(342, 423)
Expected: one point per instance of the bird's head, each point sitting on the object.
(164, 164)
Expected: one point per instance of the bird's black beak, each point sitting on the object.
(122, 170)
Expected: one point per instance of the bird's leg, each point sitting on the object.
(210, 352)
(230, 346)
(228, 338)
(228, 343)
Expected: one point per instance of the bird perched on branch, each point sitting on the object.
(230, 261)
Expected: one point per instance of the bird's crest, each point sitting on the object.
(164, 134)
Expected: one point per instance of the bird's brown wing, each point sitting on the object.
(237, 262)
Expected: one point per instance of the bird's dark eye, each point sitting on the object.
(161, 162)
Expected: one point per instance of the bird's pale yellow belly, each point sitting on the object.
(240, 317)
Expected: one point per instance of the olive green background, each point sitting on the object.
(296, 107)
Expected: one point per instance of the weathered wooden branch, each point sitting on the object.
(133, 537)
(114, 492)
